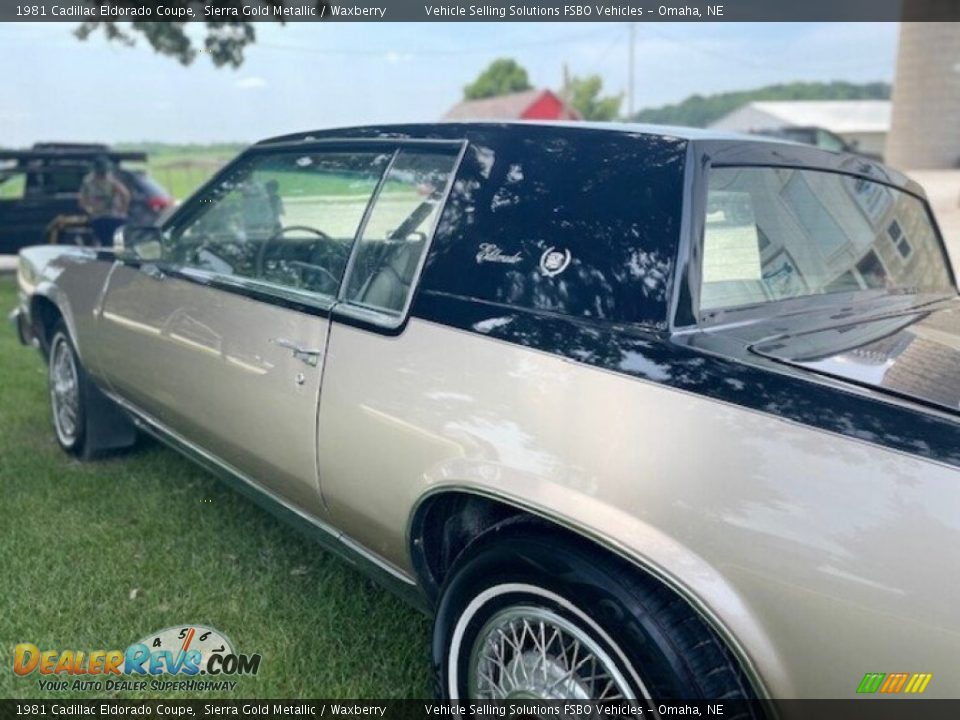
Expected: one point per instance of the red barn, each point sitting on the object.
(525, 105)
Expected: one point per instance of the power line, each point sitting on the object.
(750, 62)
(702, 50)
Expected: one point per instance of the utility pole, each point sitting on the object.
(633, 38)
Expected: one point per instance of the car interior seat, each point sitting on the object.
(388, 285)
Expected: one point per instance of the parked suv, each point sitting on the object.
(39, 189)
(634, 412)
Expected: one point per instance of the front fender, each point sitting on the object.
(69, 280)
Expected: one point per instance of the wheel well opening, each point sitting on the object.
(445, 524)
(442, 528)
(45, 315)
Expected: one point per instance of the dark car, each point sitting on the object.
(816, 136)
(39, 189)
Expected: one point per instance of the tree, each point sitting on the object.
(224, 42)
(700, 111)
(502, 77)
(584, 95)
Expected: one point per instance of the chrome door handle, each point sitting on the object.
(308, 355)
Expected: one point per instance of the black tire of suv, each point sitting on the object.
(662, 646)
(100, 425)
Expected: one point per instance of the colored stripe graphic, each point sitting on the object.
(871, 682)
(893, 683)
(918, 682)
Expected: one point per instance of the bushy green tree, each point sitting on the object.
(700, 110)
(584, 95)
(502, 77)
(224, 42)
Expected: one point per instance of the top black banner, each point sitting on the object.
(238, 11)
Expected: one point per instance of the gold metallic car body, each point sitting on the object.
(816, 556)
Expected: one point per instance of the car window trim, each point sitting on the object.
(290, 297)
(386, 320)
(775, 307)
(362, 226)
(302, 301)
(259, 290)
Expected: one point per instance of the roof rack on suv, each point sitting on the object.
(64, 152)
(90, 147)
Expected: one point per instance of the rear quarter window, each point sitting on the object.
(57, 181)
(584, 224)
(780, 233)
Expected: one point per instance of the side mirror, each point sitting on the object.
(137, 243)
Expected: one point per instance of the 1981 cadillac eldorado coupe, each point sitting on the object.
(634, 412)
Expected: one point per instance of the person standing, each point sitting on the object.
(105, 200)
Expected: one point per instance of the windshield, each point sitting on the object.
(778, 233)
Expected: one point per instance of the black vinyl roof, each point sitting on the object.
(714, 146)
(461, 129)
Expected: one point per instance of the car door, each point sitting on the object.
(367, 444)
(60, 184)
(32, 197)
(222, 339)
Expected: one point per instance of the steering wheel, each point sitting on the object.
(262, 252)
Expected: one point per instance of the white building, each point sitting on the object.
(864, 123)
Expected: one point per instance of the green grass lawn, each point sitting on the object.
(93, 556)
(183, 170)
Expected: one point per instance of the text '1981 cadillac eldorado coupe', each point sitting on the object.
(634, 412)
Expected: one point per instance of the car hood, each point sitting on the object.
(914, 356)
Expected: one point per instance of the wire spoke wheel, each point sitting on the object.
(531, 653)
(64, 391)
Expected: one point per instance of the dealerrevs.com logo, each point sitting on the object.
(183, 652)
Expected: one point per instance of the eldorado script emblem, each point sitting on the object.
(490, 252)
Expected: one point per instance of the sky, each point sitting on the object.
(308, 76)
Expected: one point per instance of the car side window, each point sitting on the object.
(62, 181)
(286, 220)
(398, 230)
(12, 185)
(829, 141)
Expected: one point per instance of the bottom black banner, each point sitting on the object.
(854, 709)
